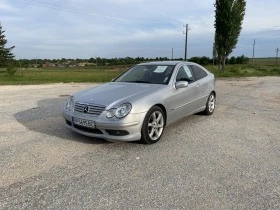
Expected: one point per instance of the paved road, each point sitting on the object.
(230, 160)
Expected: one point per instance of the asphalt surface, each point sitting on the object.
(230, 160)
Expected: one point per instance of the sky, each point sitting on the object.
(136, 28)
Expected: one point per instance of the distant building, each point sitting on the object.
(83, 64)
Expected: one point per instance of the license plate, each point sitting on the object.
(82, 122)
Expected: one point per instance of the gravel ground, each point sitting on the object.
(230, 160)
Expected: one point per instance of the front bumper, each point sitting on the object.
(125, 129)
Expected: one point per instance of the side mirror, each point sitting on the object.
(181, 84)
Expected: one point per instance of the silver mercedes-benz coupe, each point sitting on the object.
(142, 101)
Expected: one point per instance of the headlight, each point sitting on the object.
(120, 112)
(123, 110)
(70, 104)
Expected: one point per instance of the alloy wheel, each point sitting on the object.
(155, 125)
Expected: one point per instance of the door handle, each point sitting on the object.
(198, 84)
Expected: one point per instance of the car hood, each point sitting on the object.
(114, 93)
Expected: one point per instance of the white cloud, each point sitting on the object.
(261, 15)
(6, 7)
(152, 28)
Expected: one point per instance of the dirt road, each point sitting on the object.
(230, 160)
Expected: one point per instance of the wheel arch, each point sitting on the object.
(145, 138)
(164, 111)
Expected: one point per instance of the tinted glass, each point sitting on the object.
(155, 74)
(198, 72)
(185, 74)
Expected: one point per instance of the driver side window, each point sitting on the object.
(185, 74)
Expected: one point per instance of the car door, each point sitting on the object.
(183, 101)
(201, 78)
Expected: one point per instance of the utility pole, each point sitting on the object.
(254, 44)
(277, 51)
(172, 54)
(186, 41)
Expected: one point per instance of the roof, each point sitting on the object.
(162, 63)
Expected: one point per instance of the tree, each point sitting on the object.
(204, 60)
(232, 60)
(228, 24)
(6, 56)
(242, 60)
(195, 59)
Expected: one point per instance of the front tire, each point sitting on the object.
(210, 105)
(153, 126)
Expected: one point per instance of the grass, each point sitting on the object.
(52, 75)
(265, 61)
(246, 71)
(261, 67)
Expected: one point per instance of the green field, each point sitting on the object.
(261, 67)
(265, 61)
(246, 71)
(56, 75)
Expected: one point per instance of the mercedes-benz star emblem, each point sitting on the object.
(86, 109)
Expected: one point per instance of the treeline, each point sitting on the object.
(232, 60)
(68, 62)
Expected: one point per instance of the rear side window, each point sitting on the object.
(185, 74)
(198, 72)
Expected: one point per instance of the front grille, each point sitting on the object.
(89, 108)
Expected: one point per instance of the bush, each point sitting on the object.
(200, 60)
(11, 71)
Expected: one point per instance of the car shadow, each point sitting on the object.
(46, 118)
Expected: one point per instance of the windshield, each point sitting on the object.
(154, 74)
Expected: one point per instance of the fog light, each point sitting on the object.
(117, 132)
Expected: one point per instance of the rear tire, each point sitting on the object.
(210, 105)
(153, 126)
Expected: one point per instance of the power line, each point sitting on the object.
(85, 11)
(71, 9)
